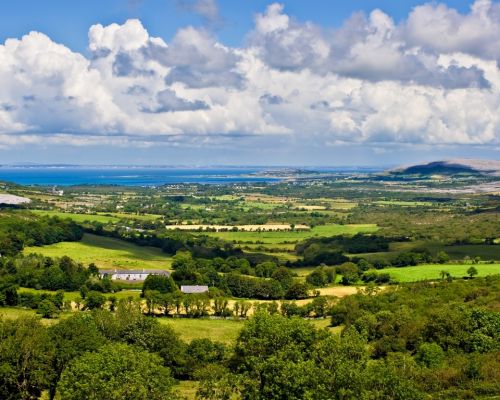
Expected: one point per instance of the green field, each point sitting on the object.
(405, 203)
(78, 217)
(106, 253)
(432, 271)
(100, 217)
(221, 330)
(72, 296)
(16, 312)
(456, 252)
(68, 296)
(277, 237)
(140, 217)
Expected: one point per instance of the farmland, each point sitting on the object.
(106, 253)
(433, 271)
(281, 237)
(348, 255)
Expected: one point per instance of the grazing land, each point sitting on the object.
(433, 271)
(281, 237)
(78, 217)
(106, 253)
(219, 330)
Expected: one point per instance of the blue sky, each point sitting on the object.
(68, 21)
(249, 82)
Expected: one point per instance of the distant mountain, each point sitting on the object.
(451, 167)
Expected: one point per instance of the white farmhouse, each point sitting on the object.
(131, 275)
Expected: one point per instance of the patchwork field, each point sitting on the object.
(278, 237)
(106, 253)
(78, 217)
(433, 271)
(455, 252)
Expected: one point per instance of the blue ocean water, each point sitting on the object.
(131, 176)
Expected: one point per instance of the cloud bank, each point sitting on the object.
(432, 79)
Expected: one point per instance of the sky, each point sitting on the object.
(240, 82)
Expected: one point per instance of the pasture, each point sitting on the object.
(277, 237)
(433, 271)
(68, 296)
(106, 253)
(220, 330)
(98, 217)
(78, 217)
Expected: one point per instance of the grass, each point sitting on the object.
(140, 217)
(432, 271)
(72, 296)
(486, 252)
(220, 330)
(100, 217)
(77, 217)
(405, 203)
(16, 312)
(456, 252)
(68, 296)
(106, 253)
(294, 236)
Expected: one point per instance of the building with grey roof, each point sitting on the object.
(193, 289)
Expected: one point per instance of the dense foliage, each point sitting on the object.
(18, 230)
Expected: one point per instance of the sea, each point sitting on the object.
(148, 176)
(128, 176)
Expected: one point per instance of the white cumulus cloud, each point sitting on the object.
(371, 80)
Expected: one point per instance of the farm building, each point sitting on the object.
(131, 275)
(193, 289)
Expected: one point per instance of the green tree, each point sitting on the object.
(160, 283)
(25, 358)
(284, 276)
(273, 355)
(298, 290)
(71, 338)
(116, 372)
(94, 300)
(430, 354)
(349, 272)
(216, 383)
(442, 257)
(47, 309)
(472, 271)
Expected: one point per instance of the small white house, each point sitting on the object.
(193, 289)
(131, 275)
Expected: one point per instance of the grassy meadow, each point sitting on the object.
(98, 217)
(282, 237)
(106, 253)
(78, 217)
(432, 271)
(220, 330)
